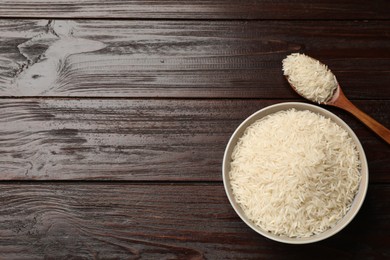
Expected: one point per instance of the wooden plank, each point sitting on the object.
(183, 140)
(198, 9)
(130, 221)
(186, 58)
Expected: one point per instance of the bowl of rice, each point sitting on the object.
(295, 173)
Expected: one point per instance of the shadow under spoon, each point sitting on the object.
(341, 101)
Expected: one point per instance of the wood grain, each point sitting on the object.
(113, 126)
(202, 59)
(164, 221)
(138, 139)
(198, 9)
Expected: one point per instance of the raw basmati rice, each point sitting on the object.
(295, 173)
(310, 77)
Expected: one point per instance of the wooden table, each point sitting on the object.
(114, 116)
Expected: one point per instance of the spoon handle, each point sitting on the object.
(344, 103)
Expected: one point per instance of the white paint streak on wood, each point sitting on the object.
(40, 73)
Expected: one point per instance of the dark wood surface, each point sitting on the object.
(114, 116)
(229, 59)
(198, 9)
(162, 221)
(140, 139)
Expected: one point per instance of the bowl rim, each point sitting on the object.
(359, 197)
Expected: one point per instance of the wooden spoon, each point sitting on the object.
(341, 101)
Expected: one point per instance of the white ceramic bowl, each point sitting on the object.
(357, 203)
